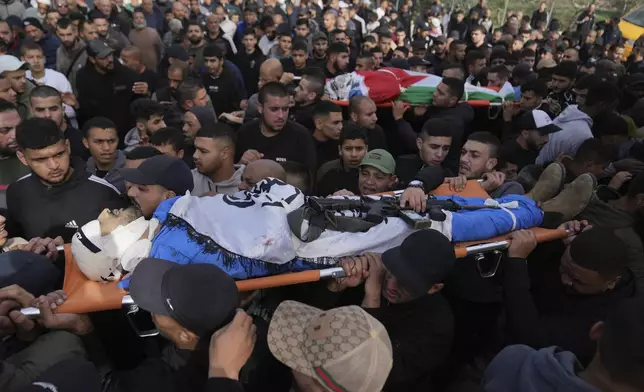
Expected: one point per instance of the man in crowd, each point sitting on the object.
(170, 141)
(100, 137)
(327, 118)
(337, 60)
(362, 112)
(342, 173)
(220, 82)
(106, 88)
(214, 156)
(71, 54)
(47, 41)
(59, 195)
(273, 136)
(12, 168)
(149, 118)
(307, 93)
(15, 70)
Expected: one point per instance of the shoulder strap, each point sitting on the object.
(71, 66)
(307, 224)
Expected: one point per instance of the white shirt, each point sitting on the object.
(58, 81)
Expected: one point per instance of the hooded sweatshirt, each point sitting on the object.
(113, 176)
(575, 129)
(521, 368)
(203, 184)
(11, 7)
(132, 139)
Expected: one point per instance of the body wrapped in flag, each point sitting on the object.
(248, 235)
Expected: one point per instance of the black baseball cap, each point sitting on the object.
(537, 120)
(421, 261)
(200, 297)
(170, 172)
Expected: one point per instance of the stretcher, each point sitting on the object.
(85, 296)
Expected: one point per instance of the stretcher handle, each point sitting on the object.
(247, 285)
(547, 236)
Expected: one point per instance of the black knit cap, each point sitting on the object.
(421, 261)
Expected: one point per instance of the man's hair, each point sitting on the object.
(437, 127)
(473, 56)
(458, 67)
(479, 28)
(353, 132)
(369, 39)
(527, 52)
(500, 70)
(6, 106)
(38, 133)
(621, 344)
(142, 152)
(337, 47)
(82, 23)
(299, 170)
(300, 45)
(456, 43)
(218, 131)
(600, 250)
(248, 31)
(316, 80)
(45, 92)
(375, 50)
(593, 150)
(324, 108)
(187, 90)
(144, 108)
(489, 139)
(168, 136)
(456, 86)
(29, 45)
(566, 69)
(587, 81)
(213, 50)
(64, 23)
(403, 49)
(355, 102)
(614, 47)
(538, 87)
(603, 92)
(133, 50)
(273, 89)
(334, 32)
(193, 23)
(98, 122)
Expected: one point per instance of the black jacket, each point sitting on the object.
(223, 91)
(540, 312)
(39, 210)
(248, 65)
(107, 95)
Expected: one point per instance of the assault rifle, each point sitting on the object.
(377, 210)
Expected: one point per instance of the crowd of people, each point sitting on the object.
(139, 102)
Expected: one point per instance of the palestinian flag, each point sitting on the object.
(388, 84)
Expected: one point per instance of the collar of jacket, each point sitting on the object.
(78, 46)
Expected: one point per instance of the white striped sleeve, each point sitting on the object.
(103, 182)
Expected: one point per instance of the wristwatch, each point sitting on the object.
(416, 184)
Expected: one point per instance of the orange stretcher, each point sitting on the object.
(85, 296)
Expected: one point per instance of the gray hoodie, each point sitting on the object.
(132, 139)
(575, 128)
(522, 369)
(113, 176)
(204, 184)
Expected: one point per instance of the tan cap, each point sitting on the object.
(345, 349)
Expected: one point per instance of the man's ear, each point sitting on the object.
(140, 126)
(596, 331)
(317, 121)
(260, 108)
(436, 288)
(393, 181)
(419, 143)
(68, 147)
(491, 163)
(354, 117)
(21, 157)
(340, 151)
(85, 143)
(169, 195)
(180, 154)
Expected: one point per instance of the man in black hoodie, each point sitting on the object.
(555, 302)
(59, 196)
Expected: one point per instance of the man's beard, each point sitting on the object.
(195, 40)
(140, 26)
(7, 152)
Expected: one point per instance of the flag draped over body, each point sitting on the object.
(248, 235)
(388, 84)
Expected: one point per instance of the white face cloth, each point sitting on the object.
(105, 258)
